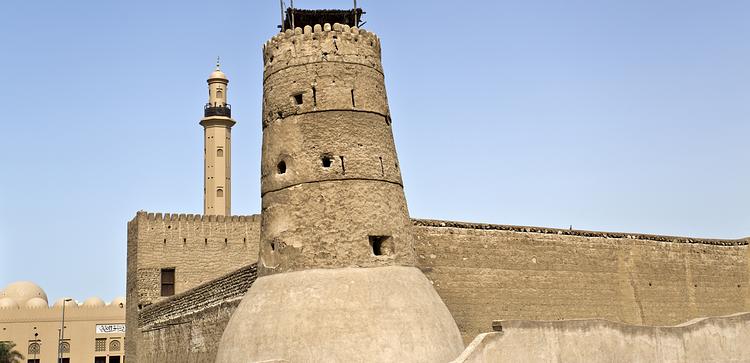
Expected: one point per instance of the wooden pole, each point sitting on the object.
(292, 6)
(356, 21)
(281, 3)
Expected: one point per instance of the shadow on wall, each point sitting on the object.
(715, 339)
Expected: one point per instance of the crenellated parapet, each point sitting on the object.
(166, 217)
(321, 43)
(323, 68)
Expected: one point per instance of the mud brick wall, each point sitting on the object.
(487, 272)
(188, 327)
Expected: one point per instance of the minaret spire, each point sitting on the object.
(217, 124)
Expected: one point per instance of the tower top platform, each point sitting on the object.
(299, 18)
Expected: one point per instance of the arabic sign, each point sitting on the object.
(110, 328)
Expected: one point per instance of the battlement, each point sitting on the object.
(143, 215)
(321, 43)
(581, 233)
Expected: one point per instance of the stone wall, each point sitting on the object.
(187, 327)
(199, 248)
(719, 339)
(485, 272)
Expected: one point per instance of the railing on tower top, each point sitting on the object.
(220, 110)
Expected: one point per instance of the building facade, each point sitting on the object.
(93, 330)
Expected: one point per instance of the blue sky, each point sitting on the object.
(605, 115)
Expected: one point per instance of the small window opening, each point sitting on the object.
(273, 246)
(381, 245)
(226, 241)
(281, 167)
(382, 168)
(298, 99)
(327, 161)
(219, 193)
(219, 94)
(165, 241)
(167, 281)
(353, 104)
(220, 152)
(315, 97)
(184, 240)
(205, 240)
(343, 167)
(279, 114)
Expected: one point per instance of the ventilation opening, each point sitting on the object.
(353, 104)
(298, 99)
(281, 167)
(327, 161)
(273, 246)
(382, 168)
(381, 245)
(315, 96)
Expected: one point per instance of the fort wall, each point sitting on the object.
(485, 272)
(187, 327)
(199, 249)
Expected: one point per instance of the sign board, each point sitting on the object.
(110, 328)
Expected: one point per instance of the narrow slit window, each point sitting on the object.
(315, 96)
(343, 167)
(353, 103)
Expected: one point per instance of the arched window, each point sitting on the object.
(220, 193)
(219, 94)
(220, 152)
(34, 348)
(114, 346)
(65, 347)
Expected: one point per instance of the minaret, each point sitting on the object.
(217, 150)
(337, 277)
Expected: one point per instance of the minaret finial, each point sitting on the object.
(218, 61)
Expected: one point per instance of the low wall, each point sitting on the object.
(720, 339)
(484, 272)
(188, 327)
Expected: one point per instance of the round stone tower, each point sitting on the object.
(336, 263)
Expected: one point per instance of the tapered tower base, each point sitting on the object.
(380, 314)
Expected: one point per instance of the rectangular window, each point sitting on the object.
(100, 345)
(33, 361)
(167, 282)
(114, 359)
(63, 360)
(100, 359)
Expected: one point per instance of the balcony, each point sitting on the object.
(224, 110)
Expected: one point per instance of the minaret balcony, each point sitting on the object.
(220, 110)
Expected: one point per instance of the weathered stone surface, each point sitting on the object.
(485, 272)
(199, 248)
(379, 314)
(187, 327)
(719, 339)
